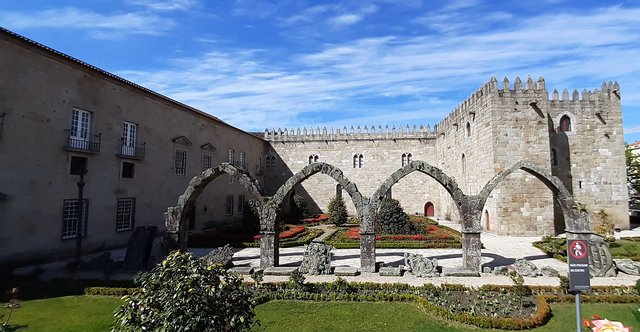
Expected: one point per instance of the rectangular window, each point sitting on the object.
(229, 208)
(207, 161)
(80, 125)
(125, 214)
(77, 165)
(129, 133)
(240, 204)
(128, 170)
(181, 162)
(231, 157)
(70, 218)
(259, 165)
(242, 160)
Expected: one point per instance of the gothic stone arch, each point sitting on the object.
(270, 207)
(176, 216)
(575, 216)
(470, 234)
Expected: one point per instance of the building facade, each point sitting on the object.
(140, 150)
(60, 116)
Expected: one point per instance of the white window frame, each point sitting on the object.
(242, 160)
(129, 136)
(207, 161)
(231, 156)
(125, 214)
(70, 218)
(180, 161)
(80, 124)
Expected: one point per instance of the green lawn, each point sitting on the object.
(95, 313)
(68, 313)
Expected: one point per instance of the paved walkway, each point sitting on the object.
(499, 250)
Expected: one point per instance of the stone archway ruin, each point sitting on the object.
(176, 216)
(269, 208)
(469, 207)
(576, 217)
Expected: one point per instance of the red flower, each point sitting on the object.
(596, 317)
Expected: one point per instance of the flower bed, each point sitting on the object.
(434, 236)
(292, 236)
(316, 219)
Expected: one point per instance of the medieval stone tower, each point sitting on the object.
(576, 137)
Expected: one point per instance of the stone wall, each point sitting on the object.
(493, 129)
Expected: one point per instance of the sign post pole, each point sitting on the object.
(578, 259)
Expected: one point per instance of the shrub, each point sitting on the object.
(638, 286)
(337, 211)
(604, 226)
(392, 219)
(298, 208)
(183, 294)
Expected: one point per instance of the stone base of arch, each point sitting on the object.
(471, 253)
(269, 253)
(368, 252)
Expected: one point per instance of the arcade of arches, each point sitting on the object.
(470, 207)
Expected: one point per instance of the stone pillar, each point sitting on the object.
(269, 249)
(471, 253)
(367, 239)
(367, 252)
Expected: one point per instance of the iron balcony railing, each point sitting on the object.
(83, 141)
(133, 151)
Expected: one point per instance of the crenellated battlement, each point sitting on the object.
(358, 133)
(536, 90)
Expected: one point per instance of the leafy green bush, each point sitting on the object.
(392, 219)
(183, 294)
(337, 211)
(638, 286)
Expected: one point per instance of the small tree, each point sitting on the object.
(184, 294)
(392, 219)
(337, 211)
(298, 209)
(633, 175)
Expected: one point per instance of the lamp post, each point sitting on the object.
(80, 227)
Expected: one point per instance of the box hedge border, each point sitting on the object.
(334, 291)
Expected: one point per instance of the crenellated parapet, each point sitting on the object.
(469, 106)
(534, 90)
(358, 133)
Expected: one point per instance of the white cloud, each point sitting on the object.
(165, 5)
(345, 19)
(74, 18)
(361, 78)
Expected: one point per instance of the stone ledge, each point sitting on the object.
(459, 272)
(390, 271)
(279, 271)
(344, 271)
(244, 270)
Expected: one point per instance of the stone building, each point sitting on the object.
(59, 115)
(578, 138)
(140, 148)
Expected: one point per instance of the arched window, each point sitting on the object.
(554, 158)
(313, 158)
(468, 129)
(406, 158)
(358, 160)
(464, 164)
(565, 123)
(270, 162)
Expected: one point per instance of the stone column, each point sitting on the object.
(471, 253)
(367, 252)
(367, 240)
(269, 249)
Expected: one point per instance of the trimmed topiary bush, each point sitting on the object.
(392, 219)
(337, 211)
(184, 294)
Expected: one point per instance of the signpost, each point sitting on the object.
(578, 258)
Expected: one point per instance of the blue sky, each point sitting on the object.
(277, 64)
